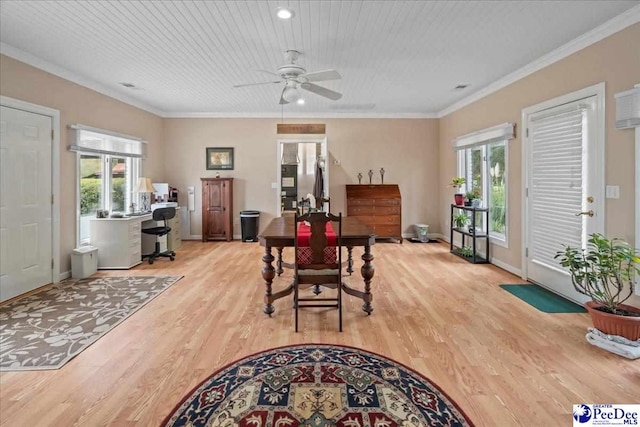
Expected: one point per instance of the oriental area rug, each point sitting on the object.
(320, 386)
(47, 329)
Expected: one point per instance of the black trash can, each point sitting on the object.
(249, 221)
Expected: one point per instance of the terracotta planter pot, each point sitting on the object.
(459, 199)
(613, 324)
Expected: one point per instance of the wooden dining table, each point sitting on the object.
(279, 234)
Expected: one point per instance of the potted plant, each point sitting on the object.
(474, 197)
(457, 183)
(605, 272)
(460, 219)
(466, 251)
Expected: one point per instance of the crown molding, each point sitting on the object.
(201, 115)
(54, 69)
(618, 23)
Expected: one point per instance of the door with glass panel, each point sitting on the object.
(564, 181)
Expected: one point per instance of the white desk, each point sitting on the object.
(121, 243)
(118, 240)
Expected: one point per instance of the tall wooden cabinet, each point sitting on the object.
(217, 209)
(378, 206)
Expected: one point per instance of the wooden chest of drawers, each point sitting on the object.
(378, 206)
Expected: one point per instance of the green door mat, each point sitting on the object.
(543, 299)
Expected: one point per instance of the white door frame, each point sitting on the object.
(298, 139)
(637, 242)
(55, 173)
(597, 90)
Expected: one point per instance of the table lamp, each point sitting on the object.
(144, 187)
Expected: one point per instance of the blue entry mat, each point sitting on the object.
(543, 299)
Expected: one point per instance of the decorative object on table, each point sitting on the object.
(359, 178)
(370, 176)
(145, 187)
(382, 175)
(605, 271)
(317, 385)
(219, 158)
(457, 183)
(47, 329)
(543, 299)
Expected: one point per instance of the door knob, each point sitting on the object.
(589, 213)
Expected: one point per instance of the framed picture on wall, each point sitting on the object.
(219, 158)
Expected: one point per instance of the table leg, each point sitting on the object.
(268, 273)
(279, 269)
(349, 259)
(367, 271)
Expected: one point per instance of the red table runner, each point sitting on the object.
(305, 255)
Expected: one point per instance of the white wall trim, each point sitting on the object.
(55, 171)
(59, 71)
(289, 115)
(64, 275)
(637, 242)
(610, 27)
(597, 90)
(511, 269)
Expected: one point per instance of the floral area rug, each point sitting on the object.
(319, 386)
(47, 329)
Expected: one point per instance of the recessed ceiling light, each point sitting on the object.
(285, 13)
(462, 86)
(300, 101)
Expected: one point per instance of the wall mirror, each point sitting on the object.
(302, 171)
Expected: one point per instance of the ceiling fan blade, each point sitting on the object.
(256, 84)
(322, 91)
(282, 100)
(320, 76)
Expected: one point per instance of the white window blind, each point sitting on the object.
(556, 139)
(501, 132)
(93, 140)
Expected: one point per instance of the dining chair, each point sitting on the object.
(318, 260)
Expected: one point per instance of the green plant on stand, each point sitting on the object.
(466, 251)
(460, 219)
(457, 182)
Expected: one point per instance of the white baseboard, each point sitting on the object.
(503, 265)
(511, 269)
(64, 275)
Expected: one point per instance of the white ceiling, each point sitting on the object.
(397, 58)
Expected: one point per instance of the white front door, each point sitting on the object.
(26, 255)
(564, 181)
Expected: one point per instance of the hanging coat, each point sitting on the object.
(318, 186)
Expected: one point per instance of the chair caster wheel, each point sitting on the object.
(172, 258)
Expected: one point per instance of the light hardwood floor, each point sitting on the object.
(501, 360)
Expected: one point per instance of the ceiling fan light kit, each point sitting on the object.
(295, 77)
(285, 13)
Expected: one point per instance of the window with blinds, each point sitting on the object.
(557, 181)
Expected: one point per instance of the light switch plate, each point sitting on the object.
(612, 192)
(274, 185)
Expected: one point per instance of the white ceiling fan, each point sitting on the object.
(294, 76)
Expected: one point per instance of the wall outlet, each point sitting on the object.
(336, 162)
(274, 185)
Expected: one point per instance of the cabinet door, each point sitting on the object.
(215, 210)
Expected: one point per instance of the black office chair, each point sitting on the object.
(160, 214)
